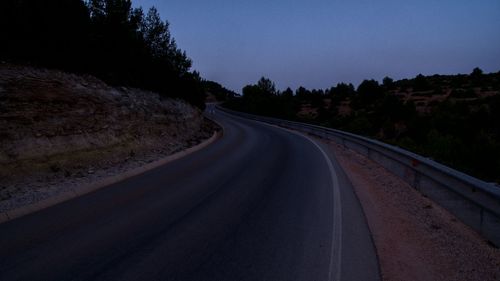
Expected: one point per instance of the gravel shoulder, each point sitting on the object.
(415, 238)
(23, 191)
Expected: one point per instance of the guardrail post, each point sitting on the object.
(416, 180)
(481, 220)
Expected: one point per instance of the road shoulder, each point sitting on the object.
(415, 238)
(69, 192)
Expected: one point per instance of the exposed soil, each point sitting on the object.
(58, 130)
(415, 238)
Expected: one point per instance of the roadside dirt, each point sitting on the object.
(415, 238)
(60, 130)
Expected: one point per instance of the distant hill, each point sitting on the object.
(454, 119)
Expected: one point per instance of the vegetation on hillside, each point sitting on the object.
(454, 119)
(217, 91)
(122, 45)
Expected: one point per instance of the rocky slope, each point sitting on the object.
(55, 127)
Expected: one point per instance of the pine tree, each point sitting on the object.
(156, 34)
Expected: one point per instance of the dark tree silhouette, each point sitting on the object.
(288, 93)
(266, 86)
(302, 93)
(369, 91)
(421, 83)
(105, 38)
(477, 72)
(388, 83)
(220, 93)
(43, 32)
(341, 91)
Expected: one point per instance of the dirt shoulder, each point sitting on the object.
(415, 238)
(59, 131)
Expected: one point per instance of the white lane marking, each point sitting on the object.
(335, 260)
(335, 267)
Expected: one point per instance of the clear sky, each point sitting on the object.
(318, 43)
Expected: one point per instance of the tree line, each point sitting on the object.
(459, 128)
(110, 39)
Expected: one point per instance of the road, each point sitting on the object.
(261, 203)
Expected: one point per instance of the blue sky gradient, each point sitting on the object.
(318, 43)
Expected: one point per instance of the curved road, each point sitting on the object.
(261, 203)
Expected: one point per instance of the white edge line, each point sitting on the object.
(337, 220)
(335, 260)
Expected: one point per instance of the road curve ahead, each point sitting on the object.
(261, 203)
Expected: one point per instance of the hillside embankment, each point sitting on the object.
(59, 130)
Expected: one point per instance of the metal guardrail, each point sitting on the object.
(473, 201)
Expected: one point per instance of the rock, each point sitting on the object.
(90, 124)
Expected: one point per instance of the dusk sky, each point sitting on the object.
(318, 43)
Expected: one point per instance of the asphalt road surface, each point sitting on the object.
(261, 203)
